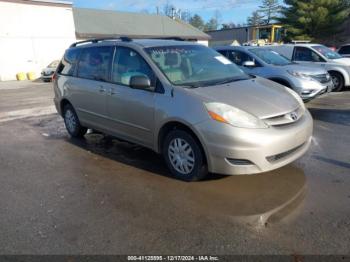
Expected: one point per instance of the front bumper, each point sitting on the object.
(46, 75)
(309, 94)
(309, 90)
(238, 151)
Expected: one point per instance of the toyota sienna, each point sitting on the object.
(184, 101)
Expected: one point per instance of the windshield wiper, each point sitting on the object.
(231, 80)
(190, 86)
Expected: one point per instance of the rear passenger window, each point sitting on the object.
(128, 63)
(345, 50)
(94, 63)
(68, 63)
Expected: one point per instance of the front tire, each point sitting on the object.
(338, 81)
(72, 122)
(184, 157)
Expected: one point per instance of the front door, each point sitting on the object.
(305, 55)
(130, 111)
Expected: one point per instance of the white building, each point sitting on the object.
(32, 34)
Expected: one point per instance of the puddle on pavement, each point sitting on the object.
(255, 199)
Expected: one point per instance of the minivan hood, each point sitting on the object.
(306, 69)
(342, 61)
(260, 97)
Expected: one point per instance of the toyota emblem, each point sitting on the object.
(294, 116)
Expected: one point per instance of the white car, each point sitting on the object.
(47, 73)
(337, 66)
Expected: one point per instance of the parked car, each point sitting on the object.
(183, 100)
(46, 73)
(337, 66)
(344, 50)
(308, 82)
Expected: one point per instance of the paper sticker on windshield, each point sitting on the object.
(223, 60)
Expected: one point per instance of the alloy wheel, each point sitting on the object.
(181, 156)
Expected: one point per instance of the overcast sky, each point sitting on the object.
(235, 11)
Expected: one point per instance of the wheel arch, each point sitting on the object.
(63, 103)
(174, 124)
(343, 73)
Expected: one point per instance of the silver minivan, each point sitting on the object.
(309, 82)
(184, 101)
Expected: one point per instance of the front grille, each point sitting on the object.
(323, 78)
(284, 119)
(280, 156)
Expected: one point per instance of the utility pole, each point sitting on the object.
(172, 12)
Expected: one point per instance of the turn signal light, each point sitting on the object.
(217, 117)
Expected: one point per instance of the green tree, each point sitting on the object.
(269, 10)
(228, 25)
(197, 22)
(212, 24)
(313, 19)
(255, 19)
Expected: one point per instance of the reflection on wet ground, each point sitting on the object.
(333, 116)
(256, 199)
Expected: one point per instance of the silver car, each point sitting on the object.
(319, 55)
(184, 101)
(309, 82)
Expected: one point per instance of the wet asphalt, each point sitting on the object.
(101, 196)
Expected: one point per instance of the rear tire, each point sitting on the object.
(338, 81)
(184, 157)
(72, 122)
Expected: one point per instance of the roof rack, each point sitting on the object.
(295, 42)
(96, 40)
(175, 38)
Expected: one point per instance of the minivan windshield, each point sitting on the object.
(194, 65)
(326, 52)
(270, 57)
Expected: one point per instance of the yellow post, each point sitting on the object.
(21, 76)
(31, 76)
(272, 38)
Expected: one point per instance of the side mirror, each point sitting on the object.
(248, 64)
(140, 82)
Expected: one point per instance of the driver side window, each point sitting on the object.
(239, 58)
(128, 63)
(306, 54)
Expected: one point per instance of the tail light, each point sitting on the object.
(54, 76)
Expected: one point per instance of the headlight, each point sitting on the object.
(300, 75)
(233, 116)
(297, 97)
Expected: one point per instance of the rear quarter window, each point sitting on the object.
(69, 62)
